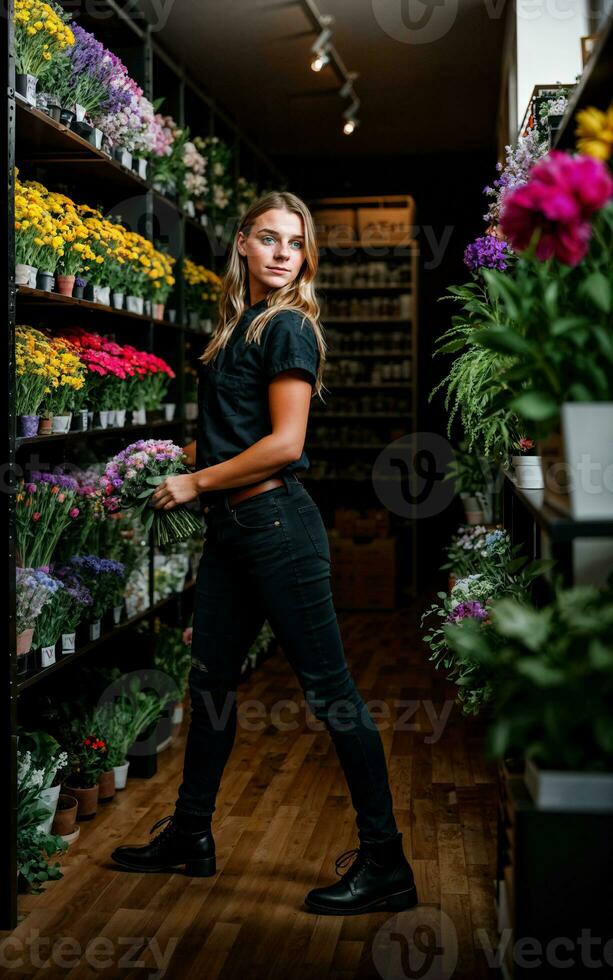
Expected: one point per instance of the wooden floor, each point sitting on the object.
(283, 815)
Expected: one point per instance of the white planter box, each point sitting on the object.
(571, 792)
(587, 435)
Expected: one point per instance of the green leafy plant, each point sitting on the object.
(550, 672)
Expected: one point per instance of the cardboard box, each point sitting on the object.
(386, 224)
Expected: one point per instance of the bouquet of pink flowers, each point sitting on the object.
(133, 475)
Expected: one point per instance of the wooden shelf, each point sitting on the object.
(110, 431)
(26, 296)
(594, 87)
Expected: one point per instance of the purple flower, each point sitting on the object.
(487, 252)
(464, 610)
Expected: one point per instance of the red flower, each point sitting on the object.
(36, 515)
(560, 198)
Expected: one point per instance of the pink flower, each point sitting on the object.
(559, 200)
(36, 515)
(74, 512)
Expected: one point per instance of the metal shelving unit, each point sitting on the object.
(48, 151)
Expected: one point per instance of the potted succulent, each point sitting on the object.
(559, 656)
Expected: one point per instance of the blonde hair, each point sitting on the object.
(298, 295)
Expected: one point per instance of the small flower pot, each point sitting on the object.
(102, 294)
(90, 419)
(33, 277)
(117, 300)
(194, 320)
(50, 798)
(134, 304)
(61, 423)
(54, 110)
(66, 116)
(77, 292)
(89, 292)
(139, 416)
(94, 630)
(45, 280)
(28, 425)
(169, 411)
(24, 641)
(26, 662)
(79, 420)
(189, 209)
(118, 614)
(65, 815)
(191, 411)
(157, 311)
(65, 285)
(87, 800)
(147, 307)
(95, 137)
(68, 643)
(23, 274)
(121, 775)
(102, 418)
(528, 472)
(47, 656)
(120, 417)
(172, 316)
(106, 786)
(124, 157)
(142, 167)
(111, 417)
(26, 86)
(82, 128)
(44, 426)
(79, 111)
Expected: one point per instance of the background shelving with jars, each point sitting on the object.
(368, 279)
(51, 145)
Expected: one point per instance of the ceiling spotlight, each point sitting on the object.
(350, 125)
(320, 61)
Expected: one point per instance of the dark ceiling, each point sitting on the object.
(429, 89)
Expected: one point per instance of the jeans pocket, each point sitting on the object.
(316, 530)
(257, 514)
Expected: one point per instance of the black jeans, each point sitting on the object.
(268, 557)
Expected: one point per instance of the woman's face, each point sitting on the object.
(274, 249)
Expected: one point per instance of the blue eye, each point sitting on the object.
(299, 244)
(268, 238)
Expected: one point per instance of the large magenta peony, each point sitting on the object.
(560, 198)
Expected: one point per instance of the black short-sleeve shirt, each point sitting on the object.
(233, 408)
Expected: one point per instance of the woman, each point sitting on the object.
(267, 556)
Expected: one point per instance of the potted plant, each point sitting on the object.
(73, 600)
(558, 656)
(50, 764)
(474, 478)
(173, 656)
(40, 34)
(65, 816)
(88, 758)
(45, 506)
(35, 588)
(473, 549)
(34, 845)
(103, 578)
(49, 626)
(527, 465)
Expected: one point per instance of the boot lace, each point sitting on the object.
(347, 857)
(166, 832)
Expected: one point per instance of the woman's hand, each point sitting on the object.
(175, 490)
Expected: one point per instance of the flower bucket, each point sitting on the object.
(77, 291)
(142, 167)
(157, 310)
(23, 274)
(191, 411)
(106, 786)
(95, 137)
(134, 304)
(169, 411)
(26, 86)
(82, 128)
(121, 775)
(111, 417)
(54, 109)
(124, 157)
(102, 294)
(26, 662)
(79, 111)
(28, 425)
(65, 815)
(87, 800)
(103, 418)
(587, 434)
(50, 798)
(117, 614)
(172, 316)
(189, 209)
(139, 416)
(117, 300)
(94, 630)
(24, 641)
(65, 285)
(46, 281)
(68, 643)
(33, 276)
(147, 307)
(47, 656)
(61, 423)
(44, 426)
(568, 791)
(194, 320)
(90, 418)
(120, 417)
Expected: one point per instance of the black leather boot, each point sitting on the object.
(379, 878)
(182, 843)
